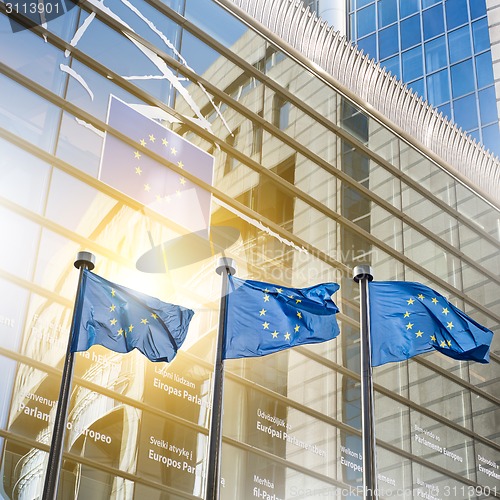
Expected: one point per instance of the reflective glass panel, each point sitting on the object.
(407, 7)
(365, 21)
(412, 64)
(387, 12)
(456, 13)
(491, 138)
(487, 105)
(410, 32)
(435, 54)
(484, 69)
(462, 78)
(459, 44)
(466, 112)
(368, 45)
(418, 87)
(477, 8)
(480, 35)
(438, 90)
(433, 22)
(392, 66)
(388, 41)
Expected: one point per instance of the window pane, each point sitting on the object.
(462, 78)
(392, 66)
(387, 12)
(484, 69)
(418, 87)
(480, 35)
(410, 32)
(437, 88)
(433, 22)
(466, 112)
(412, 64)
(368, 45)
(446, 110)
(491, 138)
(428, 3)
(365, 21)
(362, 3)
(456, 13)
(488, 105)
(435, 54)
(388, 42)
(477, 8)
(459, 43)
(407, 7)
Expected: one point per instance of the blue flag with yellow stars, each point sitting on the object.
(263, 318)
(407, 319)
(130, 169)
(122, 319)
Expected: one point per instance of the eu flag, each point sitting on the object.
(263, 318)
(407, 319)
(122, 319)
(131, 171)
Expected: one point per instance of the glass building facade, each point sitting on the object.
(441, 50)
(298, 184)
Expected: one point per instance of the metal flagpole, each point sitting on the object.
(83, 260)
(225, 267)
(363, 275)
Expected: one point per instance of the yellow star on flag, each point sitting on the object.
(265, 325)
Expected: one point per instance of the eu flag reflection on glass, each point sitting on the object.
(122, 319)
(263, 318)
(408, 318)
(129, 169)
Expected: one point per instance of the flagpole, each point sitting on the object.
(225, 267)
(84, 260)
(363, 275)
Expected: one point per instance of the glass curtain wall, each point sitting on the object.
(441, 50)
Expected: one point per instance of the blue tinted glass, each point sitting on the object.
(465, 112)
(488, 105)
(433, 22)
(368, 45)
(362, 3)
(491, 138)
(428, 3)
(459, 43)
(412, 64)
(410, 32)
(365, 21)
(407, 7)
(438, 90)
(446, 110)
(392, 66)
(388, 41)
(477, 8)
(435, 54)
(456, 13)
(462, 78)
(387, 12)
(480, 35)
(484, 69)
(475, 135)
(352, 20)
(418, 87)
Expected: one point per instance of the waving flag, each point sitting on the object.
(122, 319)
(407, 319)
(263, 318)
